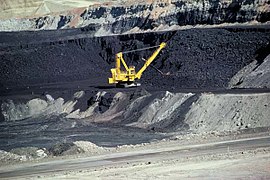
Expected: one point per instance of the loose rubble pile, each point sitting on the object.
(164, 111)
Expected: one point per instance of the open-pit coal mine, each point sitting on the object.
(56, 100)
(200, 109)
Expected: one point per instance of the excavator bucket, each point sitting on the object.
(111, 80)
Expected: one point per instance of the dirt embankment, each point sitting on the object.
(196, 58)
(161, 111)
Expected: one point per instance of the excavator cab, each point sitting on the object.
(132, 70)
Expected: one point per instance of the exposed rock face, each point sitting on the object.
(166, 111)
(254, 75)
(32, 108)
(149, 15)
(198, 112)
(228, 112)
(37, 8)
(37, 107)
(156, 110)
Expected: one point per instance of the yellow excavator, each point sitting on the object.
(126, 78)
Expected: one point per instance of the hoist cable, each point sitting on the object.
(125, 52)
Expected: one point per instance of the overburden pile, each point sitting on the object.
(195, 58)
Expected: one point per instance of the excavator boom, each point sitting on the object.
(127, 77)
(150, 60)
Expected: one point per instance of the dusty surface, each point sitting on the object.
(167, 159)
(254, 167)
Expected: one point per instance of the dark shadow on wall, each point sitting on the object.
(262, 53)
(176, 121)
(1, 114)
(2, 118)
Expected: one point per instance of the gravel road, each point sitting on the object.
(146, 156)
